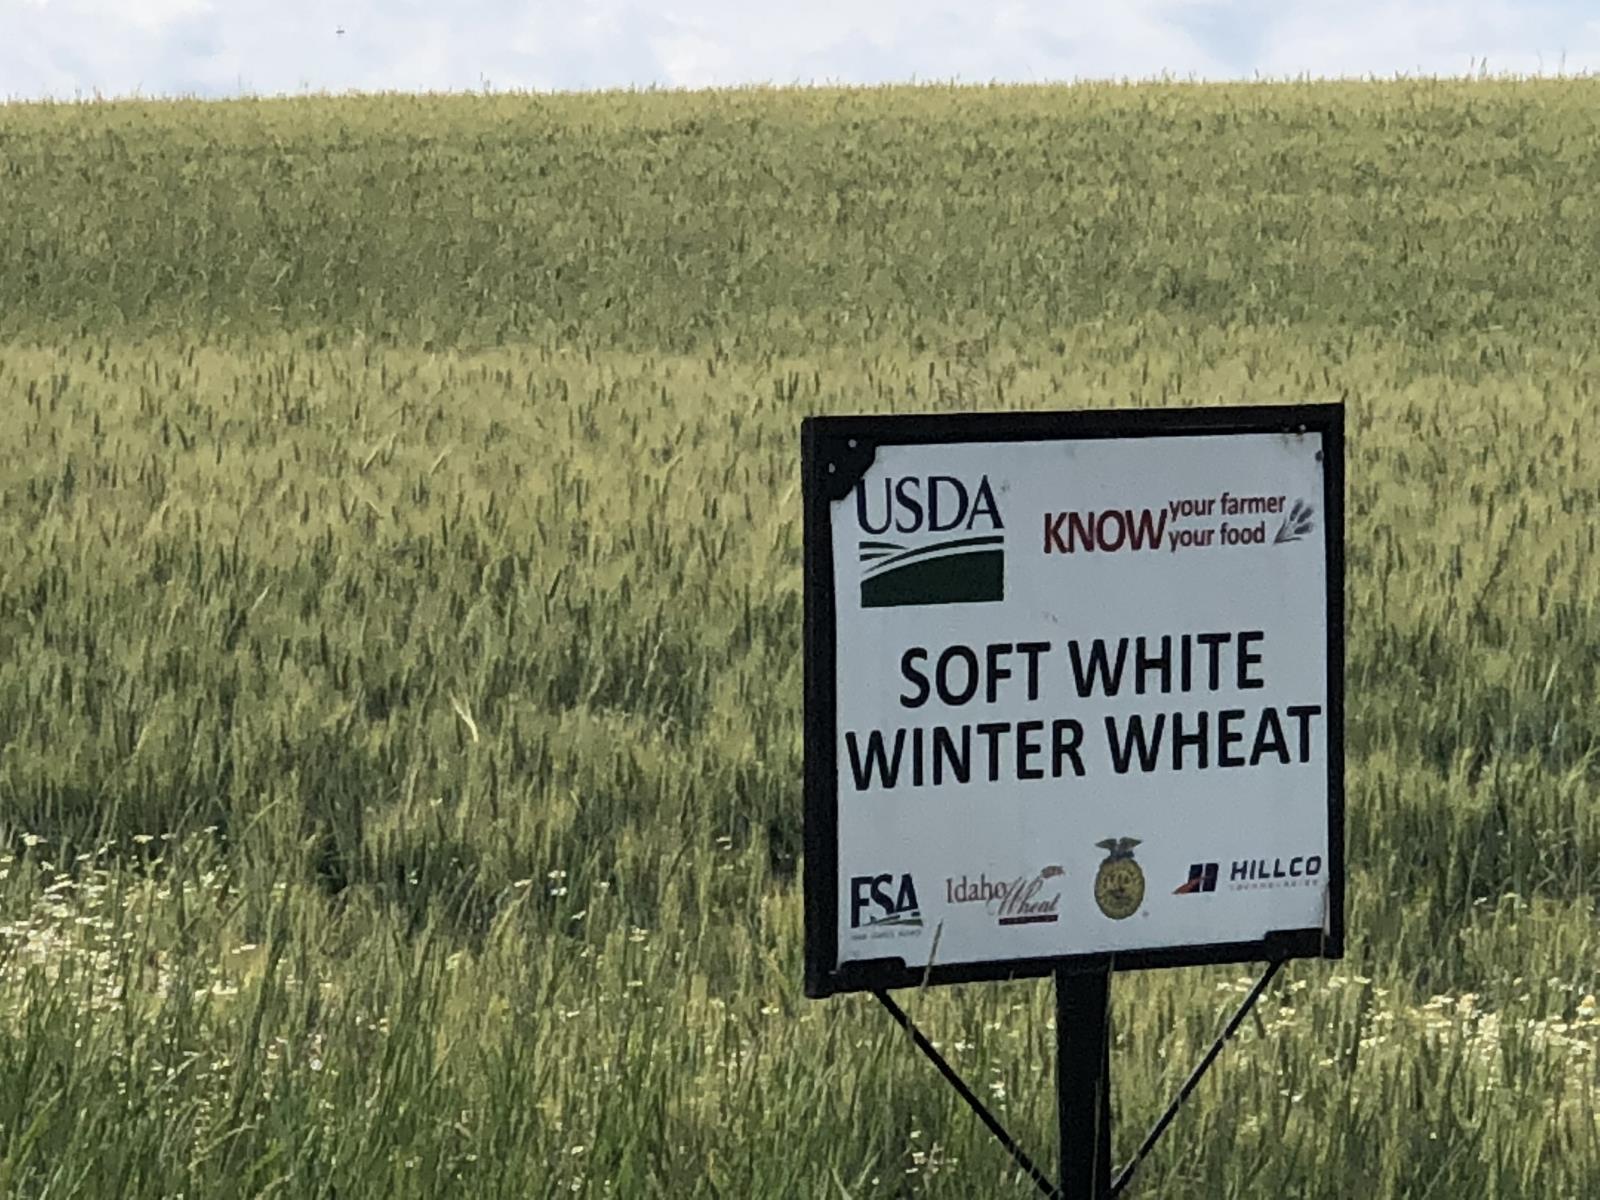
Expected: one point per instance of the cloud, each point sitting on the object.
(1365, 37)
(66, 48)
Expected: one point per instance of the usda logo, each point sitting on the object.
(947, 548)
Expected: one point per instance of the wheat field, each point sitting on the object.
(400, 779)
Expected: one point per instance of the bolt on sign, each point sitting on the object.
(1073, 692)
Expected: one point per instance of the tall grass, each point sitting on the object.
(399, 625)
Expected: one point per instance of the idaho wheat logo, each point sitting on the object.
(953, 547)
(1119, 883)
(1017, 902)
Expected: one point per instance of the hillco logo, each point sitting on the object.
(966, 568)
(1202, 878)
(1119, 883)
(1014, 903)
(894, 909)
(1250, 874)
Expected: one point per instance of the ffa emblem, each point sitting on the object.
(1119, 883)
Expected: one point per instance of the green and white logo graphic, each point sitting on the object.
(965, 567)
(957, 571)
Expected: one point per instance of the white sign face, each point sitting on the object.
(1082, 698)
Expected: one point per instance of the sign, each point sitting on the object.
(1074, 692)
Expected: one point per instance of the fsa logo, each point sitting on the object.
(877, 901)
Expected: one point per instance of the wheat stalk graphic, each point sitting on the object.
(1300, 521)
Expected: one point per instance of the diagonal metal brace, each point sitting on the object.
(967, 1094)
(1228, 1031)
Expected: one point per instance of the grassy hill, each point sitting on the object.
(400, 617)
(793, 221)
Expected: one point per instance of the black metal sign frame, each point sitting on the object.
(835, 453)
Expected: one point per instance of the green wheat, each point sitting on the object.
(400, 610)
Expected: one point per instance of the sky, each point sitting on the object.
(68, 49)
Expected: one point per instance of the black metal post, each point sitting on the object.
(1228, 1031)
(1040, 1179)
(1083, 1081)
